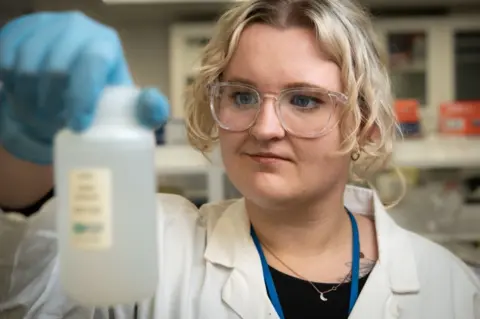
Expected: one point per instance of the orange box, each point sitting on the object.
(407, 111)
(460, 118)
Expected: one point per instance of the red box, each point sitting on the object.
(460, 118)
(407, 111)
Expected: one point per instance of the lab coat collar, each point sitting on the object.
(395, 251)
(230, 237)
(230, 243)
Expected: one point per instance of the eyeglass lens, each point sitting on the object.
(303, 112)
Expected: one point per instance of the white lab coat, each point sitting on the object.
(209, 268)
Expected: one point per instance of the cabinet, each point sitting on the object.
(186, 43)
(407, 57)
(467, 64)
(433, 60)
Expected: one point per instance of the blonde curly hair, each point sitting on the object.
(368, 124)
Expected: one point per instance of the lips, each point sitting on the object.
(267, 156)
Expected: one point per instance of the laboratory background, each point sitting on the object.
(434, 60)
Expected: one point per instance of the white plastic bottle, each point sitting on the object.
(106, 202)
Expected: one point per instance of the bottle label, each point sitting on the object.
(90, 208)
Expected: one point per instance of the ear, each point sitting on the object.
(373, 133)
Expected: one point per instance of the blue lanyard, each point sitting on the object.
(267, 275)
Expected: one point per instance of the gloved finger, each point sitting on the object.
(15, 32)
(11, 38)
(51, 98)
(76, 35)
(89, 76)
(29, 64)
(32, 52)
(78, 31)
(152, 108)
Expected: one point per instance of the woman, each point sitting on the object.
(297, 95)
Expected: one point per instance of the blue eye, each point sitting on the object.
(304, 101)
(244, 98)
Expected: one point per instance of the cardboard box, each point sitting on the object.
(407, 112)
(460, 118)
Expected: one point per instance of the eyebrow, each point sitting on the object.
(287, 86)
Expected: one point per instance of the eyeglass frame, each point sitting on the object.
(340, 97)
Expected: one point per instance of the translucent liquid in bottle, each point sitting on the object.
(106, 200)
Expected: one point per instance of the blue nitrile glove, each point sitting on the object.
(53, 67)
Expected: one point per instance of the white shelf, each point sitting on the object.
(184, 160)
(438, 152)
(465, 229)
(431, 152)
(180, 160)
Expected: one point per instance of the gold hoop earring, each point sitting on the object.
(355, 156)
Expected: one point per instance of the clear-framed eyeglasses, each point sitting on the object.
(303, 112)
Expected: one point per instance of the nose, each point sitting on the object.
(267, 125)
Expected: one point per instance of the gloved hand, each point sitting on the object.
(53, 67)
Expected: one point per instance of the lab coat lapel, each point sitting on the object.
(230, 245)
(243, 295)
(377, 300)
(375, 292)
(235, 294)
(395, 274)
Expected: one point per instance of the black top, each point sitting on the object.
(300, 300)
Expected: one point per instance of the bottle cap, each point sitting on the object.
(117, 105)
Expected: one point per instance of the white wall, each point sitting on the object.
(146, 49)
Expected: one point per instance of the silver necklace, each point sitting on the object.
(321, 293)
